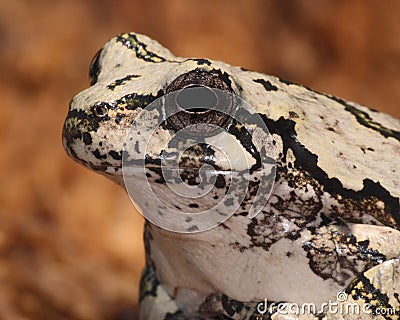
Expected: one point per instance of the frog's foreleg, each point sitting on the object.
(377, 290)
(157, 304)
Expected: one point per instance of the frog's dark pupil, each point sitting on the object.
(196, 99)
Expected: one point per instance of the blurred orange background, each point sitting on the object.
(71, 241)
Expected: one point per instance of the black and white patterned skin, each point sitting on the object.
(331, 223)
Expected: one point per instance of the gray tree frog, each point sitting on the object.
(329, 228)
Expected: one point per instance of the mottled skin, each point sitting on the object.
(331, 223)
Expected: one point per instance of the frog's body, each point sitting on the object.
(330, 224)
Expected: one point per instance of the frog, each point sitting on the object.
(328, 227)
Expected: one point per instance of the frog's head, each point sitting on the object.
(165, 118)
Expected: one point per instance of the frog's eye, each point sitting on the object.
(94, 68)
(195, 109)
(195, 101)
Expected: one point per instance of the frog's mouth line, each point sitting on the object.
(199, 164)
(115, 169)
(204, 169)
(169, 172)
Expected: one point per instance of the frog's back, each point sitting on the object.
(349, 150)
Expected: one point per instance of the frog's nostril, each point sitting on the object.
(198, 99)
(100, 110)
